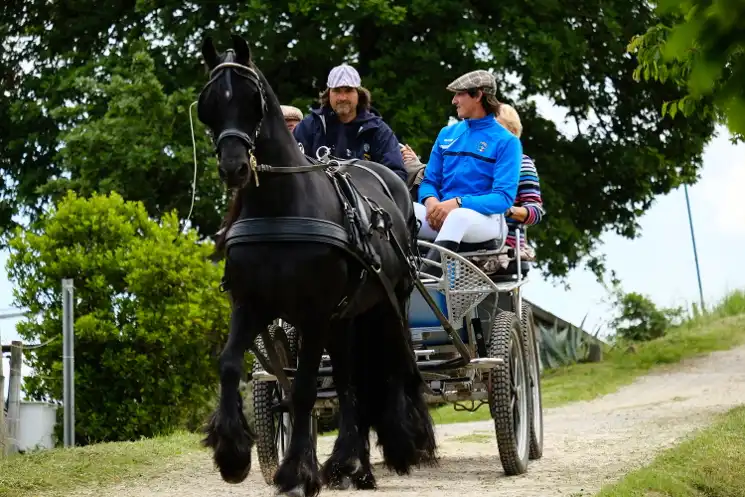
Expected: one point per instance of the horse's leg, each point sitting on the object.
(299, 475)
(346, 464)
(228, 433)
(364, 479)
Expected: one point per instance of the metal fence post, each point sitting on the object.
(14, 396)
(68, 362)
(3, 437)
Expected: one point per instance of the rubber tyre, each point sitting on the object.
(511, 425)
(535, 404)
(265, 395)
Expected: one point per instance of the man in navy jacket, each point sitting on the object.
(348, 126)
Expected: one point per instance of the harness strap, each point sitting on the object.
(286, 229)
(265, 168)
(304, 229)
(377, 176)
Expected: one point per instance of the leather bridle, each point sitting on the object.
(248, 73)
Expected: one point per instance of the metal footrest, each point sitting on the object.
(424, 354)
(263, 376)
(486, 362)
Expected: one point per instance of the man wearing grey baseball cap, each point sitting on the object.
(348, 126)
(473, 171)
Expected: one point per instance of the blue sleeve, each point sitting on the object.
(387, 151)
(432, 180)
(504, 184)
(303, 134)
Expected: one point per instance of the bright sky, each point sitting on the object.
(659, 264)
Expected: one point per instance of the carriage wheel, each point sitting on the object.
(535, 406)
(273, 429)
(508, 393)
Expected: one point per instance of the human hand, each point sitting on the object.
(408, 154)
(439, 212)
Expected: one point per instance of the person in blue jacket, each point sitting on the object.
(347, 124)
(473, 172)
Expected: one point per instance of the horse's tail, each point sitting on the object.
(390, 386)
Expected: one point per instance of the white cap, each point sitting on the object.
(344, 75)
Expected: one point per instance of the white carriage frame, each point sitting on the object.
(465, 286)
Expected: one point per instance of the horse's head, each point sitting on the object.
(233, 105)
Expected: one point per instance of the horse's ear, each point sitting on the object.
(209, 52)
(242, 50)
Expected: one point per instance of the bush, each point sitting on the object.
(638, 318)
(149, 316)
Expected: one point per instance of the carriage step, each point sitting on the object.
(323, 372)
(263, 376)
(486, 362)
(424, 353)
(326, 393)
(459, 362)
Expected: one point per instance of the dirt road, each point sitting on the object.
(586, 444)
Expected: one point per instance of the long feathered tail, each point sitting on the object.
(391, 388)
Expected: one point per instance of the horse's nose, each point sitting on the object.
(243, 170)
(222, 173)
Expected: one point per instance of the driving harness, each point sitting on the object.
(354, 236)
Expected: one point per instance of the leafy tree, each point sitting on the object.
(700, 46)
(599, 180)
(140, 147)
(148, 313)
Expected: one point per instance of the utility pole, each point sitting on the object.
(695, 252)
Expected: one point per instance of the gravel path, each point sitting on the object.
(587, 444)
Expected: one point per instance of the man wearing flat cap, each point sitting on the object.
(292, 116)
(473, 171)
(347, 125)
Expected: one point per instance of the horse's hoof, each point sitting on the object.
(298, 478)
(365, 482)
(342, 483)
(234, 478)
(295, 492)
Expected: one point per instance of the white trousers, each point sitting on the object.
(463, 225)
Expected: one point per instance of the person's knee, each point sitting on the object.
(461, 216)
(419, 211)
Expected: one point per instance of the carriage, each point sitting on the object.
(475, 342)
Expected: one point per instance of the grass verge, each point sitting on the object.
(56, 472)
(709, 464)
(619, 367)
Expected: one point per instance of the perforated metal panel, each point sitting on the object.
(465, 287)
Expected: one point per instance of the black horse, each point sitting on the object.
(328, 255)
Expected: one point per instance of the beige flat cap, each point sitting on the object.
(475, 79)
(291, 112)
